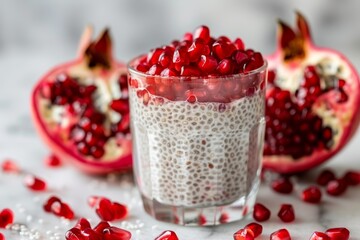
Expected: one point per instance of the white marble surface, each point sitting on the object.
(36, 35)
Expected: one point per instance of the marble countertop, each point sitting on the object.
(19, 141)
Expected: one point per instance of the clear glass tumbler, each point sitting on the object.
(197, 144)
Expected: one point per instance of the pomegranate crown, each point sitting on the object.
(98, 52)
(292, 43)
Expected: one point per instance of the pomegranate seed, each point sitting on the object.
(336, 187)
(168, 73)
(223, 49)
(110, 211)
(225, 67)
(203, 33)
(255, 228)
(198, 48)
(120, 106)
(180, 57)
(282, 185)
(101, 227)
(10, 166)
(325, 177)
(164, 59)
(202, 220)
(2, 237)
(224, 218)
(338, 233)
(281, 234)
(34, 183)
(189, 71)
(261, 213)
(74, 234)
(52, 161)
(153, 56)
(239, 44)
(207, 64)
(56, 206)
(114, 233)
(155, 70)
(319, 236)
(240, 57)
(286, 213)
(244, 234)
(6, 217)
(82, 224)
(97, 152)
(167, 235)
(311, 195)
(352, 178)
(188, 37)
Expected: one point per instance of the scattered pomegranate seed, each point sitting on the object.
(352, 178)
(6, 217)
(319, 236)
(286, 213)
(282, 185)
(338, 233)
(311, 195)
(255, 228)
(167, 235)
(108, 210)
(10, 166)
(83, 224)
(336, 187)
(244, 234)
(34, 183)
(281, 234)
(2, 237)
(325, 177)
(261, 213)
(57, 207)
(52, 161)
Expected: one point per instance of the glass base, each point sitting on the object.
(205, 216)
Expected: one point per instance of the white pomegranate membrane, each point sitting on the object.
(197, 140)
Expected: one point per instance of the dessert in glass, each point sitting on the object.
(197, 120)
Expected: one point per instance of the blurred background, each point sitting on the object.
(37, 34)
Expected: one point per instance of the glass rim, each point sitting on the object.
(132, 70)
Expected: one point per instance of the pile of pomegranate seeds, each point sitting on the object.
(282, 185)
(102, 231)
(57, 207)
(261, 213)
(281, 234)
(108, 210)
(199, 54)
(6, 217)
(286, 213)
(35, 183)
(167, 235)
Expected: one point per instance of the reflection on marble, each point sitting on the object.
(38, 34)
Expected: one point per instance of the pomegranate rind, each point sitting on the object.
(286, 164)
(122, 163)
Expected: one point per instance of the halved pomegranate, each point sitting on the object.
(313, 101)
(81, 109)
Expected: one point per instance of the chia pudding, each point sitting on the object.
(196, 154)
(197, 118)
